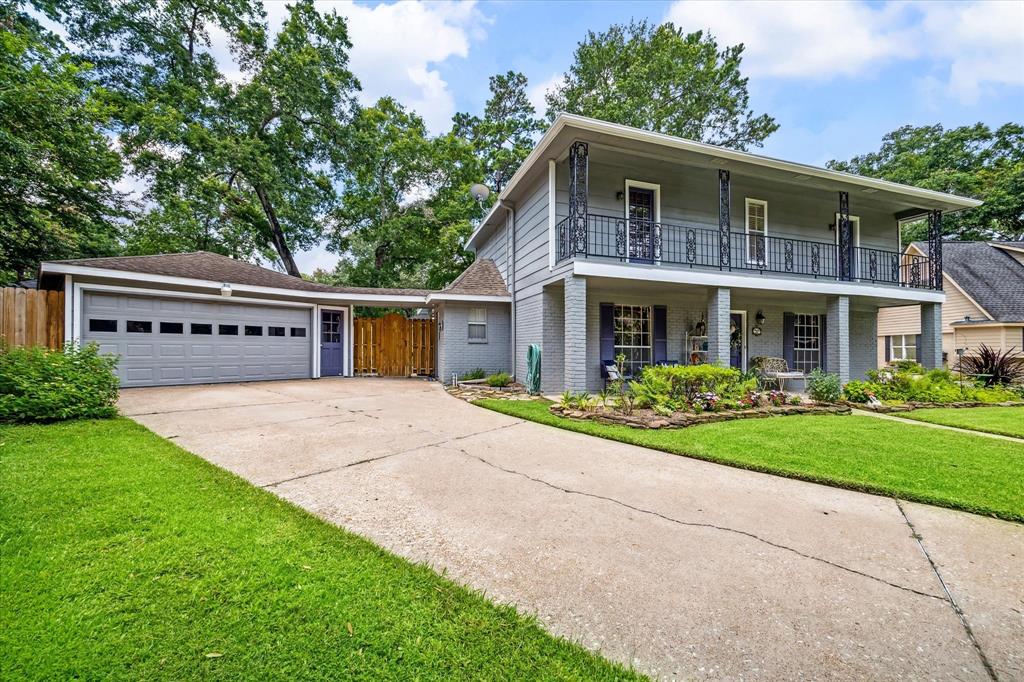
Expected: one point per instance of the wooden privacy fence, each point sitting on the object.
(393, 346)
(31, 317)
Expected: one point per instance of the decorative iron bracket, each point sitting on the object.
(935, 250)
(845, 238)
(724, 218)
(579, 154)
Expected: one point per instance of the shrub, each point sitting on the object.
(474, 374)
(995, 368)
(499, 380)
(857, 391)
(823, 387)
(42, 385)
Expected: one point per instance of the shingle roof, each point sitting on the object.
(217, 268)
(987, 274)
(481, 278)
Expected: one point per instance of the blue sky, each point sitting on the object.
(836, 75)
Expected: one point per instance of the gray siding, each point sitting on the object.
(457, 353)
(863, 342)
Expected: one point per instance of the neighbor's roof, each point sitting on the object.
(482, 278)
(989, 275)
(553, 144)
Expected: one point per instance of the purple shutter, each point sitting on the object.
(660, 334)
(888, 348)
(788, 331)
(607, 334)
(822, 344)
(917, 345)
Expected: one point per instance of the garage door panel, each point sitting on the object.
(179, 353)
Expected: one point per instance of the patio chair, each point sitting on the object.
(776, 370)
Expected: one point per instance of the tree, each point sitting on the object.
(505, 134)
(971, 161)
(659, 78)
(239, 165)
(57, 170)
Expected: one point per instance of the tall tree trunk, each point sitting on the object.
(276, 233)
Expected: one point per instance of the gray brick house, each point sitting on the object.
(614, 240)
(608, 240)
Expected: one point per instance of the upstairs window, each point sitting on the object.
(757, 229)
(478, 324)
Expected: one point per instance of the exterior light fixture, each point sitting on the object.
(759, 318)
(225, 289)
(619, 196)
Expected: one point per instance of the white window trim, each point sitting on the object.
(902, 346)
(470, 323)
(639, 184)
(650, 330)
(747, 203)
(552, 221)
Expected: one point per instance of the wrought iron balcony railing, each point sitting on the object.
(647, 242)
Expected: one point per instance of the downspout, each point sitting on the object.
(511, 271)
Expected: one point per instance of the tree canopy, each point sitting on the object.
(657, 77)
(972, 161)
(57, 169)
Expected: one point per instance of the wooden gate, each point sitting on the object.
(393, 346)
(31, 317)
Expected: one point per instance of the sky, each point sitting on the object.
(835, 75)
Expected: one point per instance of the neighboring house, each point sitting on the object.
(608, 240)
(984, 286)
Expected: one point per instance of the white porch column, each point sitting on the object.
(837, 337)
(575, 334)
(931, 335)
(719, 303)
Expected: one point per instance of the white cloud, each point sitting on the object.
(800, 39)
(535, 93)
(316, 258)
(970, 44)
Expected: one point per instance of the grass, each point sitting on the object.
(950, 469)
(123, 556)
(1008, 421)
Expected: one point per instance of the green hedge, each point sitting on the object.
(42, 385)
(910, 382)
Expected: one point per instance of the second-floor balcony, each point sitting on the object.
(645, 242)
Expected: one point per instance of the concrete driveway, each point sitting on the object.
(681, 568)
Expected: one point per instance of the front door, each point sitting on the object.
(332, 343)
(642, 227)
(736, 341)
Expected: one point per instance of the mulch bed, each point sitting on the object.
(907, 407)
(471, 392)
(648, 419)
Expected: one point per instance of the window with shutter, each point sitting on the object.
(757, 229)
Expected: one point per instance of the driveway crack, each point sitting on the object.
(390, 454)
(700, 524)
(949, 595)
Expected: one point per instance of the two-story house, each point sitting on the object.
(618, 241)
(607, 241)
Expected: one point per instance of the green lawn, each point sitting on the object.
(1008, 421)
(123, 556)
(946, 468)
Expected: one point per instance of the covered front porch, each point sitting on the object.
(590, 320)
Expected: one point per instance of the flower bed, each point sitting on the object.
(649, 419)
(908, 385)
(476, 391)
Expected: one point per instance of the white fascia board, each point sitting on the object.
(468, 297)
(723, 279)
(127, 276)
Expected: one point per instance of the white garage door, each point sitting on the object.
(166, 341)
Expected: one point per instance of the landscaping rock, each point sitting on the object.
(648, 419)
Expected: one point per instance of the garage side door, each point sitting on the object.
(167, 341)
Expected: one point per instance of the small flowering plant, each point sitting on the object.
(747, 401)
(705, 402)
(777, 398)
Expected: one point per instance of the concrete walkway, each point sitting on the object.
(681, 568)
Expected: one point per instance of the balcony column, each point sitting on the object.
(931, 335)
(575, 334)
(837, 337)
(844, 231)
(724, 220)
(935, 249)
(719, 304)
(579, 155)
